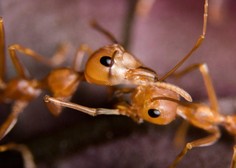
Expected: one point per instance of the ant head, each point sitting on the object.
(112, 65)
(159, 110)
(161, 102)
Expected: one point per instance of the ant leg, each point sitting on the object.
(11, 120)
(203, 68)
(24, 150)
(77, 62)
(179, 139)
(197, 44)
(87, 110)
(197, 143)
(233, 162)
(20, 69)
(55, 109)
(2, 52)
(57, 58)
(122, 108)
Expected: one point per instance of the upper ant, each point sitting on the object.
(113, 65)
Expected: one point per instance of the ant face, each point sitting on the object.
(112, 65)
(159, 111)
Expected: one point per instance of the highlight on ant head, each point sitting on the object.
(109, 65)
(160, 110)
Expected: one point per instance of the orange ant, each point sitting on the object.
(159, 104)
(22, 89)
(113, 65)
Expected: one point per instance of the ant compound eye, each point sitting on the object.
(154, 113)
(106, 61)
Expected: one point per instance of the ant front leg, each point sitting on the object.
(215, 134)
(24, 150)
(122, 109)
(87, 110)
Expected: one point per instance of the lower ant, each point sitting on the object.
(160, 104)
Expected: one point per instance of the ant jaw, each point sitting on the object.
(175, 89)
(141, 75)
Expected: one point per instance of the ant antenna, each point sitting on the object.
(197, 44)
(99, 28)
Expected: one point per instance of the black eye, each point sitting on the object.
(154, 113)
(106, 61)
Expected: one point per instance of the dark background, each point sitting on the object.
(159, 40)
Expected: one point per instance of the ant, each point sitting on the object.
(22, 89)
(159, 103)
(113, 65)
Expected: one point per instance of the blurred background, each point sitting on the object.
(159, 37)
